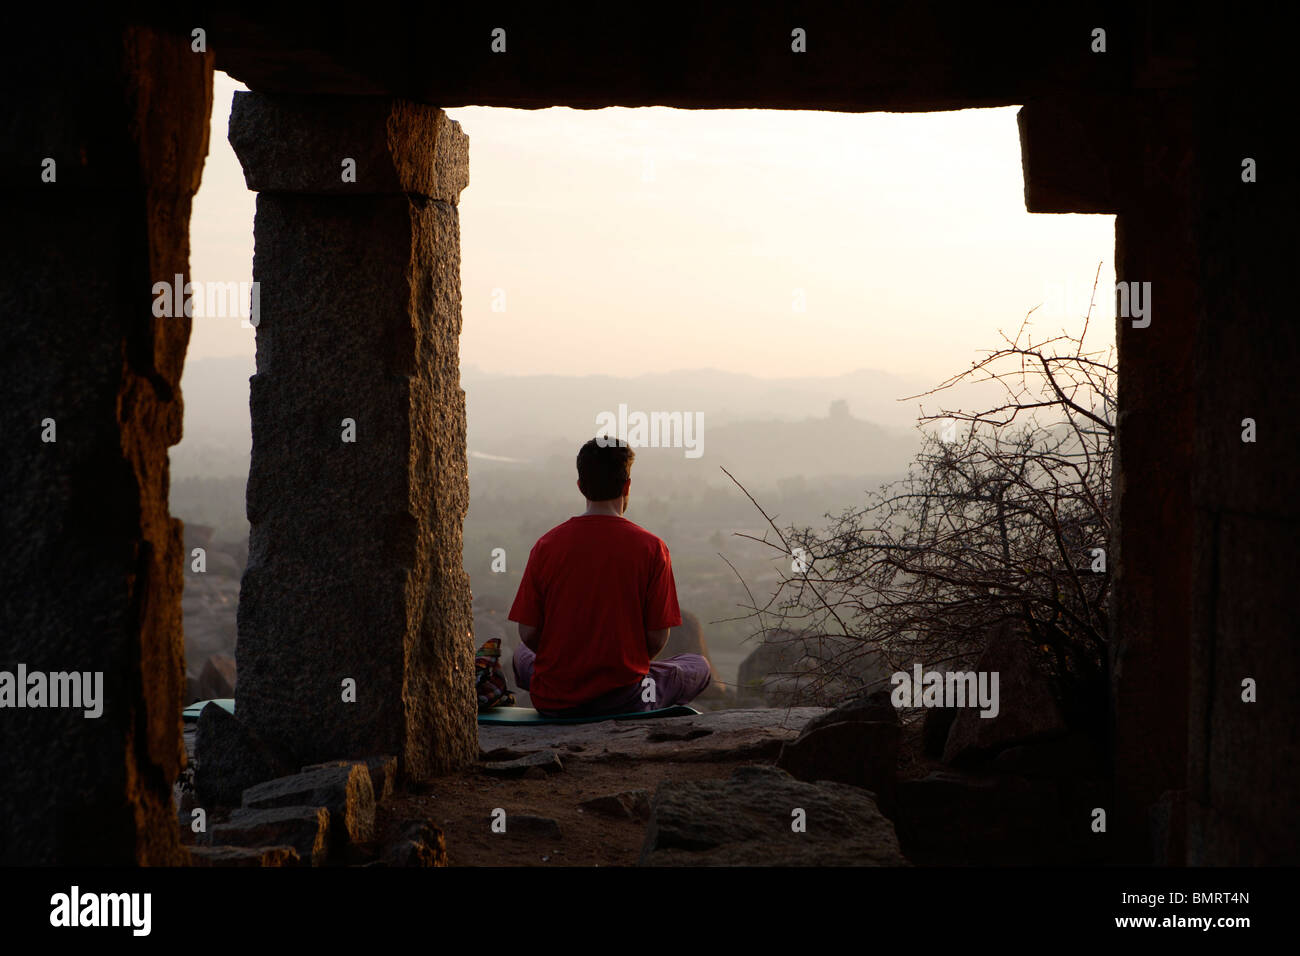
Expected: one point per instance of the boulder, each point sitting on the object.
(210, 856)
(383, 773)
(868, 708)
(346, 791)
(771, 658)
(789, 669)
(419, 844)
(217, 678)
(306, 829)
(858, 753)
(627, 805)
(748, 820)
(934, 731)
(1028, 710)
(229, 758)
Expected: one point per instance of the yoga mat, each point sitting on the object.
(526, 715)
(501, 715)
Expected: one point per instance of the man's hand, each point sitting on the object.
(528, 635)
(656, 641)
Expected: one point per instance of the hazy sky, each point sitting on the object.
(637, 240)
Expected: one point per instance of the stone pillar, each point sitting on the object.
(354, 614)
(1135, 155)
(1153, 552)
(91, 559)
(1244, 754)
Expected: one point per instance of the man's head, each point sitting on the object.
(605, 470)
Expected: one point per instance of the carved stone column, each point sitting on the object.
(354, 615)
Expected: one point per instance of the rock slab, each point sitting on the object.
(749, 820)
(750, 733)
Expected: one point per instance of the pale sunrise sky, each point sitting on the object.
(629, 241)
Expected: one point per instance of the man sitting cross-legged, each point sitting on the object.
(596, 603)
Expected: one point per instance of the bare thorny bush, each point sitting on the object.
(1004, 518)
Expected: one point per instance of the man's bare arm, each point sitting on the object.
(529, 634)
(656, 641)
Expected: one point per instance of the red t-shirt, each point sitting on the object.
(594, 585)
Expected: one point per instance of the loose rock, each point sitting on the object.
(420, 844)
(383, 773)
(306, 829)
(244, 856)
(547, 760)
(345, 791)
(629, 805)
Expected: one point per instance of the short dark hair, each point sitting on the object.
(604, 465)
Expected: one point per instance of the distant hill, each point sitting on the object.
(510, 415)
(773, 427)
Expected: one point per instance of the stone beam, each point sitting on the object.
(1073, 153)
(90, 401)
(924, 55)
(354, 616)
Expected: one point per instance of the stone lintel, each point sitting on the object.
(1073, 152)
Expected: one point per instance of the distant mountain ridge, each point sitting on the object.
(748, 420)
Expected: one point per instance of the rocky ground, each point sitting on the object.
(874, 785)
(669, 791)
(586, 800)
(861, 784)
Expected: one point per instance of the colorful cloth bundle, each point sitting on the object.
(490, 678)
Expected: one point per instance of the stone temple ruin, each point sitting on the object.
(355, 568)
